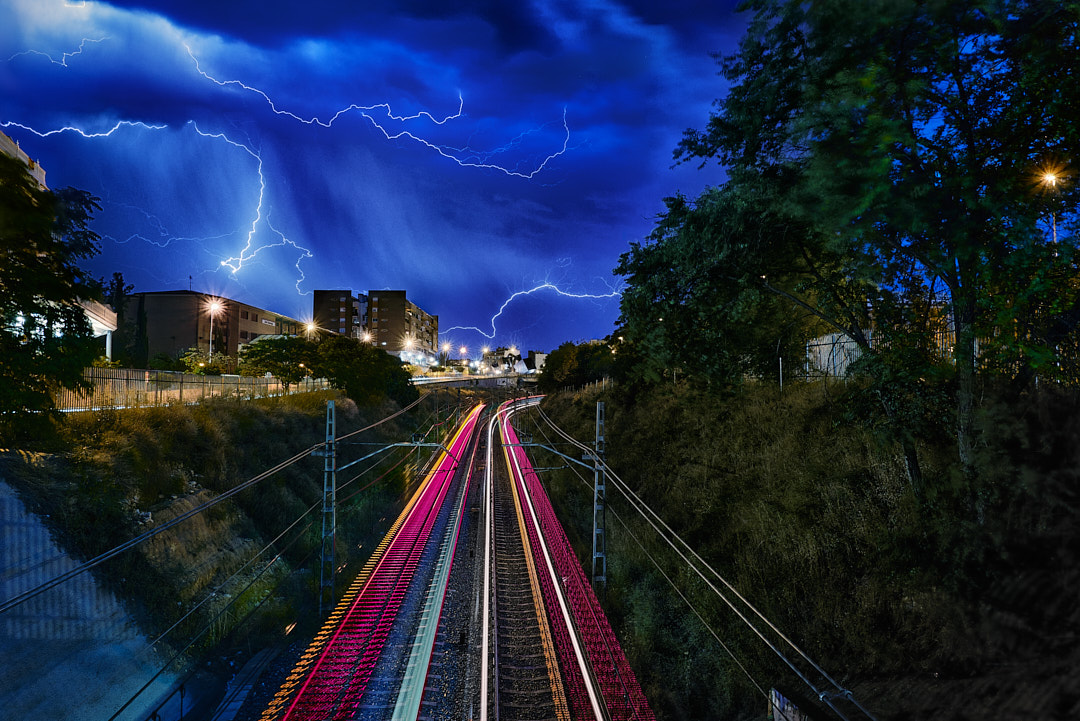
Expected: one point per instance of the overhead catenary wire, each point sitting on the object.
(210, 623)
(646, 512)
(26, 595)
(584, 481)
(639, 505)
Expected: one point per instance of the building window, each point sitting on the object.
(254, 316)
(244, 334)
(254, 336)
(244, 314)
(341, 330)
(342, 299)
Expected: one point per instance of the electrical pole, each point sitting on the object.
(329, 514)
(599, 543)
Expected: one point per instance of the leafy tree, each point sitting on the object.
(200, 362)
(286, 357)
(725, 287)
(366, 374)
(116, 292)
(45, 338)
(165, 362)
(904, 139)
(576, 364)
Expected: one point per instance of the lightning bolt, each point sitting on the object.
(614, 293)
(378, 114)
(63, 58)
(80, 131)
(234, 263)
(472, 158)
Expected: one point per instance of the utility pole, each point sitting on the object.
(599, 542)
(329, 514)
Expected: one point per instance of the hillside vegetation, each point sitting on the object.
(811, 517)
(111, 475)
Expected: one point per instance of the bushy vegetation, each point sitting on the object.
(812, 518)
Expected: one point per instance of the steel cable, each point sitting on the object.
(639, 505)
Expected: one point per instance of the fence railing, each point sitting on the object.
(127, 388)
(833, 354)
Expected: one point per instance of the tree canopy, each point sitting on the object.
(365, 373)
(45, 338)
(888, 170)
(289, 358)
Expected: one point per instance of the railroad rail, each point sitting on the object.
(472, 606)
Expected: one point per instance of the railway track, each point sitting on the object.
(472, 607)
(528, 682)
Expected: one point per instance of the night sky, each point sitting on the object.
(493, 158)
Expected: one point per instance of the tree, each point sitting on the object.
(366, 374)
(45, 338)
(200, 362)
(905, 137)
(576, 364)
(289, 358)
(726, 286)
(116, 295)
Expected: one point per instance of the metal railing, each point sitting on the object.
(833, 354)
(128, 388)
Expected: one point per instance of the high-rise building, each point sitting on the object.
(386, 318)
(10, 147)
(340, 312)
(397, 324)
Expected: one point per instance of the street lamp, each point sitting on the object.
(213, 307)
(463, 350)
(1050, 179)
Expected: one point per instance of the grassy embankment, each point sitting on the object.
(809, 515)
(103, 470)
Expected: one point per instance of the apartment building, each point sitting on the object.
(172, 321)
(397, 324)
(386, 318)
(340, 312)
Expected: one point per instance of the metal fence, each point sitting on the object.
(127, 388)
(833, 354)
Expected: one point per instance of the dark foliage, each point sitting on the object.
(45, 338)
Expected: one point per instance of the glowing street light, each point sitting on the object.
(1050, 179)
(463, 350)
(213, 307)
